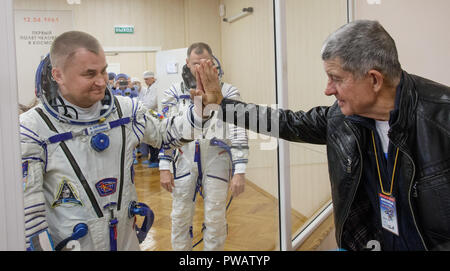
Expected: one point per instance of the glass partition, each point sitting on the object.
(152, 35)
(308, 23)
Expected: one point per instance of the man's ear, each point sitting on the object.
(57, 75)
(377, 80)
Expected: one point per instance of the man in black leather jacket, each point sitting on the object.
(400, 199)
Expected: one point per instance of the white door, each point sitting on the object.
(169, 65)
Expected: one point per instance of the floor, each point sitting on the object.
(252, 216)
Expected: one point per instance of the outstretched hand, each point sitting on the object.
(208, 86)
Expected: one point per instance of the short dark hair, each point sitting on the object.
(65, 45)
(198, 48)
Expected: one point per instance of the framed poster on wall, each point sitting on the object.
(35, 31)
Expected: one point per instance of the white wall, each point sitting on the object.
(11, 186)
(165, 24)
(420, 30)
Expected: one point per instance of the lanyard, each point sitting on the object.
(378, 168)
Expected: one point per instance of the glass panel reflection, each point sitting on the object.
(309, 22)
(159, 28)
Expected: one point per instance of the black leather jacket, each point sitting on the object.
(422, 134)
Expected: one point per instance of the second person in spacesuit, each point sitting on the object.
(208, 166)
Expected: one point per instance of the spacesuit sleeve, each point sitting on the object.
(167, 133)
(238, 137)
(34, 159)
(169, 108)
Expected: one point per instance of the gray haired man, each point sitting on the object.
(387, 138)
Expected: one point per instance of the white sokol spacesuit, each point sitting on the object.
(77, 185)
(203, 166)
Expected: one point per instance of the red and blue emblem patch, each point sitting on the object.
(24, 174)
(106, 186)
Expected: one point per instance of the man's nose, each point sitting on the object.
(100, 80)
(330, 89)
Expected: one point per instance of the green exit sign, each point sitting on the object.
(124, 29)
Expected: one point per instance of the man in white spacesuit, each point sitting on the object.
(77, 149)
(208, 166)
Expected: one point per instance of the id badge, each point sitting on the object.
(388, 212)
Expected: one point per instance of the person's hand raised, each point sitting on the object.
(208, 85)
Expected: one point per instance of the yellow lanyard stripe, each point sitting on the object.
(378, 168)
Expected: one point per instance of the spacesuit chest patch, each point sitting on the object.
(106, 186)
(155, 114)
(66, 195)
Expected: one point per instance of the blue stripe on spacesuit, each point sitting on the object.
(231, 94)
(40, 143)
(51, 112)
(33, 206)
(119, 122)
(191, 118)
(165, 157)
(33, 158)
(165, 110)
(134, 130)
(198, 160)
(29, 130)
(35, 217)
(219, 143)
(174, 94)
(179, 177)
(216, 177)
(227, 92)
(29, 235)
(168, 103)
(35, 212)
(186, 97)
(135, 123)
(140, 124)
(237, 161)
(37, 141)
(60, 137)
(34, 226)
